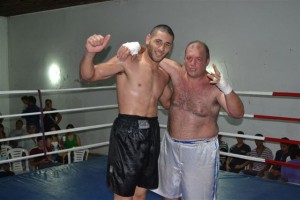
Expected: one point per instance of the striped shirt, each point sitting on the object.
(266, 154)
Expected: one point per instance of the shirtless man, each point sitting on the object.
(141, 84)
(188, 163)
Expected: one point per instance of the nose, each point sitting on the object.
(161, 48)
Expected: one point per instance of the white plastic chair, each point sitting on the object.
(78, 155)
(21, 166)
(4, 150)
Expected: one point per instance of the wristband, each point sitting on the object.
(224, 86)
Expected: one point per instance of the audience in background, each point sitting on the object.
(223, 146)
(51, 119)
(44, 161)
(292, 174)
(71, 139)
(18, 131)
(2, 134)
(24, 99)
(237, 164)
(6, 129)
(32, 108)
(261, 151)
(275, 171)
(54, 143)
(30, 143)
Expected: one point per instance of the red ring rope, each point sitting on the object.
(282, 140)
(286, 94)
(288, 164)
(276, 118)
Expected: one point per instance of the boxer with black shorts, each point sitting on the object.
(141, 84)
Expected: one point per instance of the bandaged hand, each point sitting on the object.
(134, 47)
(218, 79)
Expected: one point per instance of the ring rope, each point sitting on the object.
(57, 132)
(268, 139)
(54, 152)
(61, 111)
(268, 117)
(250, 93)
(56, 90)
(274, 94)
(250, 158)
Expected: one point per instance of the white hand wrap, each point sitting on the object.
(134, 47)
(224, 86)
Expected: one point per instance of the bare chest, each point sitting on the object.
(197, 99)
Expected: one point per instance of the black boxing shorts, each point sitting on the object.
(133, 154)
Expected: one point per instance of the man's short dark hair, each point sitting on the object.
(240, 132)
(259, 134)
(164, 28)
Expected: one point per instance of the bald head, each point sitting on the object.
(197, 44)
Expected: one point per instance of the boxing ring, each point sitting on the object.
(87, 179)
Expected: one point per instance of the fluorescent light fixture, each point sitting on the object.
(54, 74)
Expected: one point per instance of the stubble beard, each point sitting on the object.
(150, 53)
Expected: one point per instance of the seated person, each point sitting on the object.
(292, 174)
(223, 146)
(2, 134)
(41, 162)
(18, 131)
(261, 151)
(281, 155)
(70, 140)
(29, 143)
(237, 164)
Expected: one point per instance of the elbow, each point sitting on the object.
(237, 114)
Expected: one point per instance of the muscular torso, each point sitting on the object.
(140, 87)
(194, 108)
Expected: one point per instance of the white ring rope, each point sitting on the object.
(242, 156)
(57, 132)
(54, 152)
(242, 136)
(61, 111)
(56, 90)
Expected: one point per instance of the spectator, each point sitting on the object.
(292, 148)
(72, 140)
(18, 131)
(54, 143)
(237, 164)
(291, 174)
(30, 143)
(25, 101)
(32, 119)
(51, 119)
(6, 130)
(261, 151)
(281, 155)
(2, 134)
(41, 162)
(223, 146)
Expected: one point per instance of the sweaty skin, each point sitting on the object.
(196, 100)
(140, 82)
